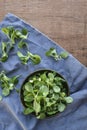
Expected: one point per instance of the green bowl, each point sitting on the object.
(65, 84)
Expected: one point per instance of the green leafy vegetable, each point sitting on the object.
(22, 44)
(41, 116)
(53, 53)
(22, 34)
(13, 35)
(4, 52)
(36, 106)
(6, 91)
(0, 97)
(7, 84)
(35, 58)
(64, 54)
(44, 90)
(61, 107)
(8, 30)
(44, 94)
(24, 58)
(56, 89)
(69, 99)
(28, 111)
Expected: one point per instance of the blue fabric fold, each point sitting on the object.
(75, 115)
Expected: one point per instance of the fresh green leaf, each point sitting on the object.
(62, 94)
(44, 90)
(69, 99)
(51, 75)
(55, 96)
(10, 32)
(51, 112)
(5, 92)
(49, 104)
(22, 44)
(3, 76)
(36, 59)
(5, 30)
(24, 58)
(13, 37)
(61, 107)
(11, 86)
(14, 34)
(25, 93)
(41, 116)
(56, 89)
(14, 79)
(29, 98)
(28, 111)
(0, 97)
(22, 34)
(52, 52)
(36, 106)
(64, 54)
(7, 83)
(24, 31)
(4, 52)
(28, 87)
(43, 77)
(4, 57)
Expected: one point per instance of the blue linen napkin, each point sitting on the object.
(75, 115)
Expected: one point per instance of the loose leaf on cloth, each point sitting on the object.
(64, 55)
(0, 98)
(68, 99)
(53, 53)
(4, 52)
(22, 44)
(36, 59)
(13, 33)
(7, 84)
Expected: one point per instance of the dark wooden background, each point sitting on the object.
(64, 21)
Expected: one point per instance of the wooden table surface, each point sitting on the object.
(64, 21)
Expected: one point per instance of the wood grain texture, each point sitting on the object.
(64, 21)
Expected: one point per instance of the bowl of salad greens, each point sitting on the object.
(45, 93)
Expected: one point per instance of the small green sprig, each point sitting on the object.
(13, 35)
(7, 84)
(0, 97)
(53, 53)
(36, 59)
(4, 56)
